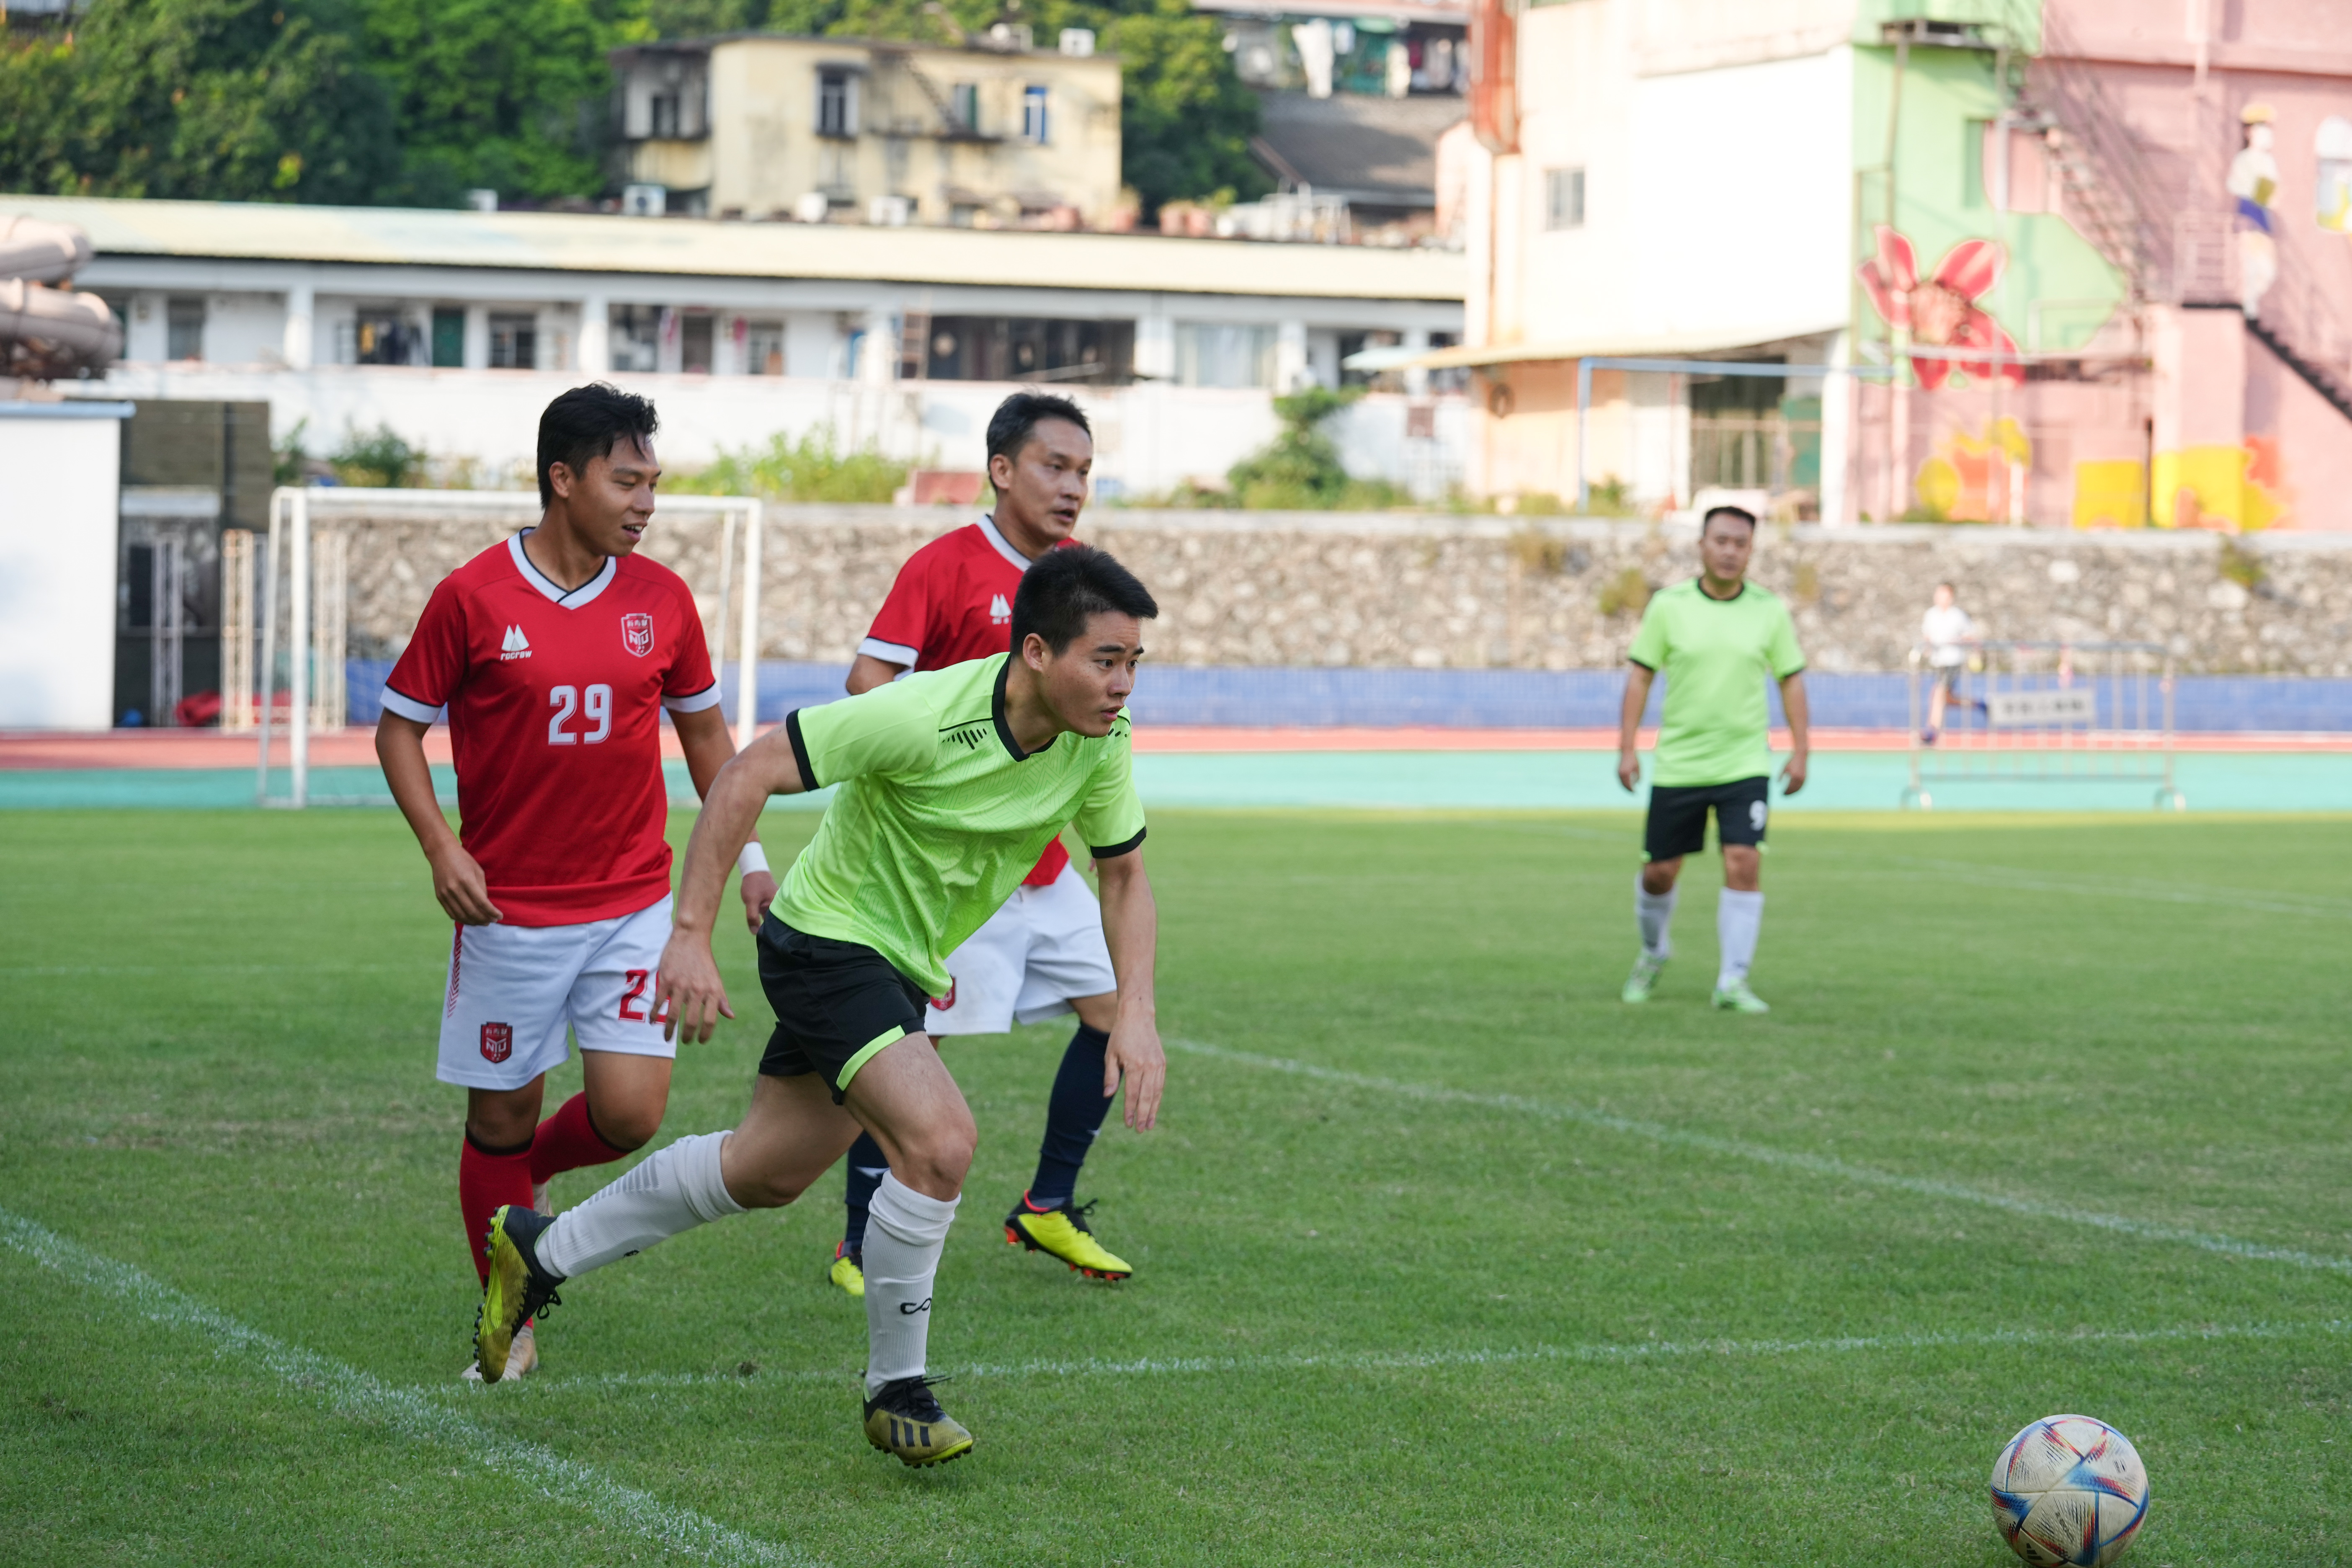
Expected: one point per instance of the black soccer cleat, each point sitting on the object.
(903, 1418)
(517, 1290)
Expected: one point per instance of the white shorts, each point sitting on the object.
(513, 990)
(1042, 948)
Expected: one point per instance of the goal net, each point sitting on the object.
(346, 572)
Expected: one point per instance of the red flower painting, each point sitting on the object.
(1941, 311)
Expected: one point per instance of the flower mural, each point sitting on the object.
(1940, 311)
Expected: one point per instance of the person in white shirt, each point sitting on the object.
(1948, 633)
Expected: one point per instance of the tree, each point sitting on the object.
(213, 99)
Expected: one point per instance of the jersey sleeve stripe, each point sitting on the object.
(800, 752)
(409, 708)
(1115, 850)
(705, 698)
(1640, 665)
(890, 652)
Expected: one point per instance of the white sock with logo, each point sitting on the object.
(1653, 913)
(1738, 917)
(676, 1189)
(905, 1232)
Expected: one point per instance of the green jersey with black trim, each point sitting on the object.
(1716, 655)
(940, 813)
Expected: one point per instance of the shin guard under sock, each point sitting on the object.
(902, 1259)
(487, 1181)
(1072, 1116)
(674, 1190)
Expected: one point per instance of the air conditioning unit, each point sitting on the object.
(1078, 42)
(889, 211)
(482, 200)
(812, 208)
(645, 200)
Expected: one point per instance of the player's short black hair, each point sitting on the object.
(583, 424)
(1018, 417)
(1067, 586)
(1741, 512)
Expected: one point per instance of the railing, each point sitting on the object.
(2043, 712)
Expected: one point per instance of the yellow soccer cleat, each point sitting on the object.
(522, 1358)
(516, 1293)
(1062, 1232)
(847, 1271)
(903, 1418)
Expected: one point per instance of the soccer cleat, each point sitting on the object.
(517, 1290)
(1644, 979)
(1737, 998)
(903, 1418)
(848, 1270)
(1062, 1232)
(522, 1357)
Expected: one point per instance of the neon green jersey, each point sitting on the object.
(940, 813)
(1716, 655)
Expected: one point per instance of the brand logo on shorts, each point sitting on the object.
(948, 1001)
(497, 1042)
(637, 634)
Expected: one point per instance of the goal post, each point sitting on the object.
(304, 607)
(2043, 713)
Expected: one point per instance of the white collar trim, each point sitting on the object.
(548, 586)
(1004, 546)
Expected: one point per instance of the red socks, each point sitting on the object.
(488, 1180)
(569, 1140)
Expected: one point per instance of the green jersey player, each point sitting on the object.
(1717, 639)
(953, 782)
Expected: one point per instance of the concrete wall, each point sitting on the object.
(1439, 591)
(57, 536)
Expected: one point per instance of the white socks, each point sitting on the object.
(1653, 912)
(904, 1233)
(1738, 917)
(676, 1190)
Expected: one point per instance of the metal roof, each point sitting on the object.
(571, 242)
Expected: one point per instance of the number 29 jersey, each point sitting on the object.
(555, 702)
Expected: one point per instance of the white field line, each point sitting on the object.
(348, 1391)
(1603, 1355)
(1782, 1159)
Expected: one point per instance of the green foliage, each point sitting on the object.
(1299, 469)
(1626, 594)
(290, 458)
(377, 458)
(214, 99)
(2242, 566)
(1610, 497)
(813, 469)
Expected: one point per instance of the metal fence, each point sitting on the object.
(2043, 712)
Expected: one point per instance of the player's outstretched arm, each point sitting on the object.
(703, 737)
(688, 981)
(1131, 927)
(1798, 708)
(457, 879)
(1629, 724)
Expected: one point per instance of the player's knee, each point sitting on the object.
(627, 1126)
(939, 1159)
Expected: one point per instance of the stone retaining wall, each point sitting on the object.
(1439, 591)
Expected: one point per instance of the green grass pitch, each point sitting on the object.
(1443, 1254)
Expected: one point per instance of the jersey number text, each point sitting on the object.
(632, 1001)
(565, 701)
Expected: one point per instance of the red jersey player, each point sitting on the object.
(555, 653)
(1043, 953)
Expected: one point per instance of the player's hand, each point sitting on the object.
(1793, 776)
(1629, 769)
(759, 891)
(688, 995)
(464, 892)
(1134, 1054)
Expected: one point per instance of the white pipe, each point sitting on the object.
(298, 642)
(269, 640)
(747, 677)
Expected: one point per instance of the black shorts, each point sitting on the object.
(1678, 824)
(836, 1004)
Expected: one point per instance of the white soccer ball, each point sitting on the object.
(2069, 1490)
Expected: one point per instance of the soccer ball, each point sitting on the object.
(2069, 1490)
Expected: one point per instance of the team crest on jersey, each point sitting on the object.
(999, 612)
(637, 634)
(497, 1042)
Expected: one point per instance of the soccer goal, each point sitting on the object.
(2042, 714)
(320, 536)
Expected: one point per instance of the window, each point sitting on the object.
(963, 102)
(1563, 198)
(384, 337)
(1354, 344)
(665, 114)
(184, 328)
(1033, 115)
(1210, 354)
(636, 342)
(836, 103)
(693, 339)
(763, 348)
(1028, 348)
(514, 342)
(448, 339)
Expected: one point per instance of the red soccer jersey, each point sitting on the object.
(555, 704)
(952, 603)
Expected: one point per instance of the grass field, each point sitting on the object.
(1444, 1256)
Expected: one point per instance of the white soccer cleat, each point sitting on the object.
(523, 1358)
